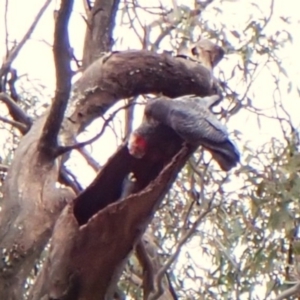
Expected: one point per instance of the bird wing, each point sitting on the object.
(195, 123)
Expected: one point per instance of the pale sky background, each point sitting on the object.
(36, 60)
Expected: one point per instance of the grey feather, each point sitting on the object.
(192, 120)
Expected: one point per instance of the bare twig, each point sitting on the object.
(89, 159)
(63, 150)
(172, 258)
(14, 53)
(289, 292)
(62, 59)
(270, 15)
(132, 22)
(6, 26)
(64, 177)
(87, 6)
(163, 34)
(128, 118)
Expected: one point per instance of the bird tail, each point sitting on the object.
(226, 154)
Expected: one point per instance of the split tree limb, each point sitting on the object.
(76, 250)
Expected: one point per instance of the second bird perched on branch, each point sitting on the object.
(191, 119)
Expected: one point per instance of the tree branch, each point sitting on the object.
(89, 159)
(147, 254)
(16, 124)
(289, 292)
(3, 168)
(14, 53)
(68, 179)
(18, 114)
(63, 150)
(62, 59)
(128, 74)
(101, 22)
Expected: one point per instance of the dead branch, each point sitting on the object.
(89, 159)
(62, 150)
(128, 120)
(6, 26)
(68, 179)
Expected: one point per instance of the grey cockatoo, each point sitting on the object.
(191, 118)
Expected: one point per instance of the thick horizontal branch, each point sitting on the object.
(127, 74)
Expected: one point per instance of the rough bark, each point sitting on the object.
(101, 86)
(108, 185)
